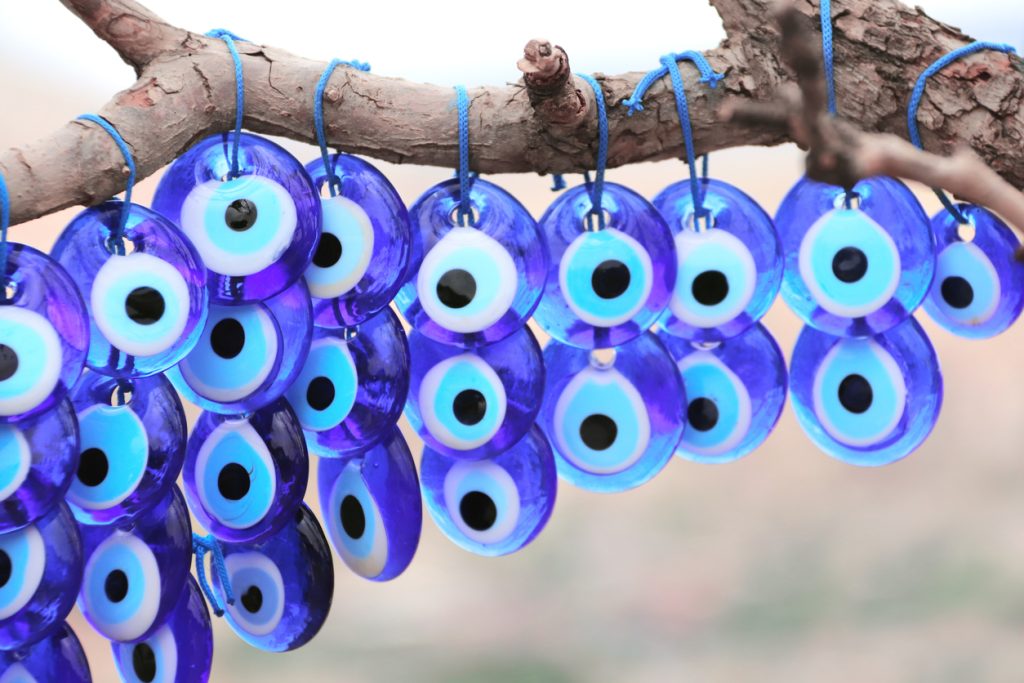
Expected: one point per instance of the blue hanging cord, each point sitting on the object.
(200, 546)
(704, 167)
(918, 93)
(557, 182)
(229, 38)
(683, 111)
(5, 222)
(118, 234)
(828, 51)
(465, 211)
(707, 75)
(333, 182)
(597, 187)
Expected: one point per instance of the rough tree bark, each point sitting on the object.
(185, 91)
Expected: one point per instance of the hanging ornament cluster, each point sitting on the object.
(259, 289)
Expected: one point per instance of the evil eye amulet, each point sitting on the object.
(475, 284)
(147, 307)
(44, 334)
(134, 576)
(735, 391)
(363, 254)
(180, 651)
(246, 475)
(283, 585)
(857, 270)
(248, 355)
(866, 401)
(474, 404)
(352, 388)
(729, 261)
(371, 506)
(978, 290)
(58, 657)
(41, 572)
(613, 424)
(131, 452)
(256, 232)
(38, 459)
(605, 286)
(493, 506)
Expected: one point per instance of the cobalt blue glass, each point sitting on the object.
(132, 445)
(257, 232)
(866, 401)
(605, 286)
(246, 474)
(180, 651)
(283, 585)
(38, 460)
(247, 356)
(352, 388)
(613, 423)
(363, 254)
(475, 285)
(859, 270)
(729, 262)
(735, 391)
(134, 575)
(59, 657)
(474, 404)
(44, 334)
(371, 506)
(978, 290)
(147, 307)
(43, 565)
(493, 506)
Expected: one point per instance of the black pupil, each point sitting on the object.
(702, 414)
(320, 393)
(240, 215)
(849, 264)
(957, 292)
(353, 519)
(252, 599)
(855, 393)
(233, 481)
(116, 586)
(469, 406)
(456, 288)
(8, 362)
(710, 288)
(610, 279)
(144, 305)
(93, 467)
(227, 338)
(598, 431)
(328, 251)
(144, 662)
(478, 511)
(5, 568)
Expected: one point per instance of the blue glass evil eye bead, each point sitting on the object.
(613, 424)
(493, 506)
(59, 657)
(472, 285)
(371, 506)
(257, 232)
(283, 585)
(180, 651)
(246, 475)
(978, 290)
(42, 566)
(857, 270)
(363, 254)
(474, 404)
(44, 334)
(352, 388)
(735, 391)
(134, 575)
(147, 307)
(606, 286)
(866, 401)
(132, 445)
(38, 459)
(729, 263)
(247, 356)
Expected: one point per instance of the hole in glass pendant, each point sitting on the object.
(847, 200)
(474, 216)
(592, 220)
(695, 223)
(966, 231)
(602, 358)
(122, 394)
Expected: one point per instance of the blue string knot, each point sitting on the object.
(209, 544)
(634, 102)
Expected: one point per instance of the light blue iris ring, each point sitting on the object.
(463, 375)
(965, 260)
(576, 277)
(127, 334)
(26, 553)
(329, 359)
(232, 448)
(121, 437)
(704, 377)
(265, 194)
(117, 558)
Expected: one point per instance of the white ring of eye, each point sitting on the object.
(142, 619)
(245, 431)
(165, 650)
(744, 410)
(687, 242)
(586, 316)
(12, 317)
(125, 334)
(431, 384)
(508, 514)
(17, 674)
(237, 562)
(344, 219)
(33, 572)
(73, 495)
(22, 458)
(350, 483)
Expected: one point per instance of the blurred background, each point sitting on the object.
(787, 565)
